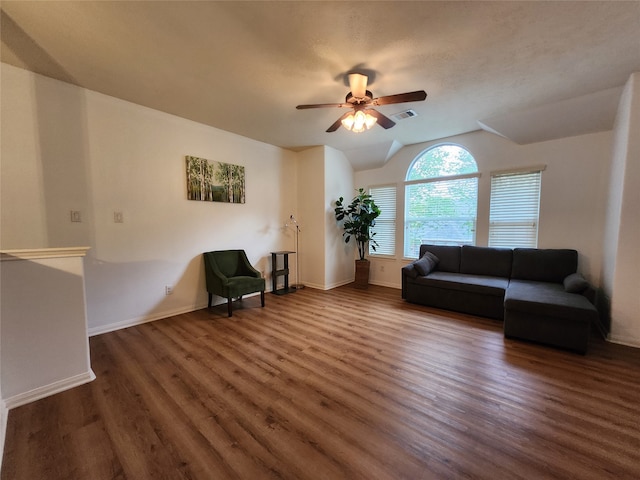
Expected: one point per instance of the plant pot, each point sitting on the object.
(362, 274)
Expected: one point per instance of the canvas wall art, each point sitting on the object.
(211, 181)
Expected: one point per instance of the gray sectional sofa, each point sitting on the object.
(537, 292)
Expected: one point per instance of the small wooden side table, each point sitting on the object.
(282, 272)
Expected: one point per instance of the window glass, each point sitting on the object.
(442, 161)
(441, 199)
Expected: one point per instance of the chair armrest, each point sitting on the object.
(248, 269)
(216, 280)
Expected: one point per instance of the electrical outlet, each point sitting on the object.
(118, 217)
(382, 268)
(168, 290)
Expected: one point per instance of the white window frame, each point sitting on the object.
(514, 207)
(385, 227)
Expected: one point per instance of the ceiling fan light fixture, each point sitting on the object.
(358, 85)
(370, 121)
(359, 121)
(363, 117)
(347, 122)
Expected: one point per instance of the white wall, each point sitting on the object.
(45, 347)
(620, 247)
(339, 256)
(572, 197)
(324, 174)
(310, 184)
(66, 148)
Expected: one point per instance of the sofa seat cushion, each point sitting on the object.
(494, 286)
(548, 299)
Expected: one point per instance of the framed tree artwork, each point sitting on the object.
(211, 181)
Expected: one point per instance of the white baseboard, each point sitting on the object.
(628, 342)
(4, 416)
(347, 282)
(48, 390)
(330, 286)
(111, 327)
(387, 284)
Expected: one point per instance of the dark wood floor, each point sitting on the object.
(344, 384)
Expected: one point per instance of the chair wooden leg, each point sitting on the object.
(210, 298)
(262, 297)
(229, 306)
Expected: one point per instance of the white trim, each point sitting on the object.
(443, 178)
(381, 256)
(48, 390)
(132, 322)
(511, 171)
(4, 417)
(39, 253)
(330, 286)
(380, 185)
(623, 341)
(386, 284)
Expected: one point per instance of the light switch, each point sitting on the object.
(75, 216)
(118, 217)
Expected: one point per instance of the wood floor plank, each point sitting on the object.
(342, 384)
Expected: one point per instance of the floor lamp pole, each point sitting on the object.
(298, 285)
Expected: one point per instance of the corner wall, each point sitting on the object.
(310, 182)
(621, 255)
(339, 256)
(324, 174)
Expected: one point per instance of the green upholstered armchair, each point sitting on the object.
(230, 275)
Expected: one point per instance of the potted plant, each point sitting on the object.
(359, 216)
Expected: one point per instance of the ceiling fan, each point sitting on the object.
(360, 100)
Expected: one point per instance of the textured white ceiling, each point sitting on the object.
(244, 66)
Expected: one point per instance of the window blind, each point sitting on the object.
(514, 209)
(385, 228)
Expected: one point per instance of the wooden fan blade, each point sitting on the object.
(416, 96)
(337, 123)
(324, 105)
(384, 121)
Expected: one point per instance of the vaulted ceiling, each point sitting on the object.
(530, 71)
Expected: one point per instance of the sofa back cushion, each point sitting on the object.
(495, 262)
(448, 256)
(543, 265)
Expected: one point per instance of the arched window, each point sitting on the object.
(441, 199)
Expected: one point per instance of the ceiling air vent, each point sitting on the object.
(403, 115)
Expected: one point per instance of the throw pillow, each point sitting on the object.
(426, 264)
(410, 270)
(575, 283)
